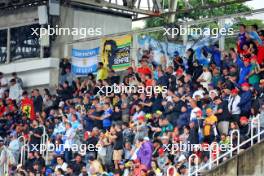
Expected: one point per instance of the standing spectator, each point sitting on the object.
(18, 79)
(3, 84)
(233, 102)
(222, 115)
(205, 77)
(209, 124)
(145, 152)
(64, 63)
(117, 137)
(102, 72)
(245, 102)
(68, 139)
(15, 91)
(38, 101)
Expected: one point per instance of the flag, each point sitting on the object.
(28, 108)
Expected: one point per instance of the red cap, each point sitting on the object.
(245, 84)
(234, 91)
(247, 60)
(161, 151)
(131, 68)
(244, 118)
(141, 118)
(179, 72)
(199, 112)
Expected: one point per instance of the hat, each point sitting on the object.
(141, 118)
(200, 112)
(130, 68)
(161, 151)
(146, 138)
(245, 84)
(61, 104)
(234, 91)
(176, 54)
(209, 110)
(158, 112)
(247, 60)
(243, 119)
(179, 71)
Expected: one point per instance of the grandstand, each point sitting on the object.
(82, 92)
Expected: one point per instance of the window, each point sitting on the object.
(3, 45)
(23, 44)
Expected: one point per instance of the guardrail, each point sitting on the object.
(230, 152)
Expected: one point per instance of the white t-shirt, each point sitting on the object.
(207, 77)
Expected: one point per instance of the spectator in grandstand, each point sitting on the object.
(133, 132)
(3, 84)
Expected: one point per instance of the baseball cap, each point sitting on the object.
(234, 91)
(243, 119)
(245, 84)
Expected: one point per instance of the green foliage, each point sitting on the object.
(196, 14)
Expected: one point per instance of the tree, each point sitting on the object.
(195, 14)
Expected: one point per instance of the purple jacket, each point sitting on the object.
(145, 154)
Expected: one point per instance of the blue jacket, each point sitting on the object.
(244, 71)
(216, 55)
(245, 101)
(202, 60)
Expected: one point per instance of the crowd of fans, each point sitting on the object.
(134, 133)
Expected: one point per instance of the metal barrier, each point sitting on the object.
(255, 119)
(211, 153)
(230, 152)
(6, 167)
(196, 164)
(231, 140)
(44, 144)
(23, 155)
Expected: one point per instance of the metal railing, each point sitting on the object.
(230, 152)
(44, 144)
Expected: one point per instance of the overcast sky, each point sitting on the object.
(255, 4)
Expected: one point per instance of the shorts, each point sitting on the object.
(117, 155)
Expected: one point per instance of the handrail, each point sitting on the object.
(211, 153)
(196, 164)
(230, 152)
(252, 128)
(227, 153)
(6, 167)
(24, 148)
(231, 140)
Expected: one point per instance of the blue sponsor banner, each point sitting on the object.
(84, 61)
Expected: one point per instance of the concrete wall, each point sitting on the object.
(248, 162)
(73, 17)
(34, 72)
(20, 17)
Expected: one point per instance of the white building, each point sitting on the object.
(37, 65)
